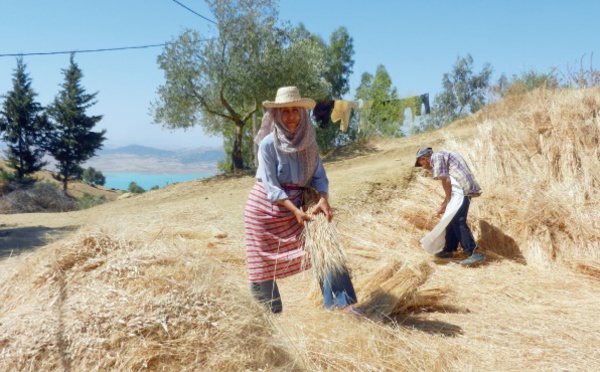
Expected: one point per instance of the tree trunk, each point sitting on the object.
(20, 174)
(237, 155)
(254, 145)
(65, 180)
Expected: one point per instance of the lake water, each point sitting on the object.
(121, 181)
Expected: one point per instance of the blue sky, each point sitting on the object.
(417, 41)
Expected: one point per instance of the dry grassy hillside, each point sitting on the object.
(75, 188)
(158, 281)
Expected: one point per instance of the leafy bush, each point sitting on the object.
(93, 177)
(89, 201)
(528, 81)
(134, 188)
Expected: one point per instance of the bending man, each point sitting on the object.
(453, 171)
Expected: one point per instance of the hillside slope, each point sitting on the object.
(158, 281)
(75, 188)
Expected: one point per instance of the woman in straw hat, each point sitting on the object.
(288, 162)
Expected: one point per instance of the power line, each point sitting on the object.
(89, 50)
(199, 15)
(81, 51)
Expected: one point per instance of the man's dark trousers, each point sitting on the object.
(458, 231)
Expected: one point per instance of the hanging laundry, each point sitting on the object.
(322, 113)
(425, 100)
(341, 111)
(362, 119)
(415, 104)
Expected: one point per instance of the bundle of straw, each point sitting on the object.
(325, 253)
(591, 268)
(391, 294)
(418, 215)
(422, 298)
(372, 282)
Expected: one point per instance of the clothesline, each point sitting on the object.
(340, 110)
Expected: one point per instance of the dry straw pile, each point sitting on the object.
(100, 303)
(539, 166)
(537, 159)
(396, 289)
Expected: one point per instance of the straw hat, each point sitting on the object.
(289, 97)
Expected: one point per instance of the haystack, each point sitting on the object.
(100, 302)
(538, 168)
(536, 158)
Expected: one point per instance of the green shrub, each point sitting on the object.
(89, 201)
(134, 188)
(93, 177)
(45, 184)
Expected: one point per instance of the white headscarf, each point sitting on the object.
(302, 141)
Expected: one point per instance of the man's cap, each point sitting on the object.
(423, 151)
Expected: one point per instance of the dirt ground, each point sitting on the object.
(501, 316)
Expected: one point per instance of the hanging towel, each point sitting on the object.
(322, 113)
(436, 239)
(341, 111)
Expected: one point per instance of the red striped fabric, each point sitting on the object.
(272, 236)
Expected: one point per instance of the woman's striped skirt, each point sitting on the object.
(272, 236)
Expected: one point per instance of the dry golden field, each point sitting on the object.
(158, 281)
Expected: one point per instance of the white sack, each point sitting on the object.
(436, 239)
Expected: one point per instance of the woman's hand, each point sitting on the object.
(323, 206)
(301, 216)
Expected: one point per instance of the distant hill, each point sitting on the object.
(137, 150)
(187, 156)
(138, 158)
(144, 159)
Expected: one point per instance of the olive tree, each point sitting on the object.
(219, 82)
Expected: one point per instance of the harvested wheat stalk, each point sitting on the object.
(395, 293)
(591, 268)
(372, 282)
(325, 253)
(423, 298)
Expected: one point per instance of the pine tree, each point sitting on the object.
(73, 142)
(23, 126)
